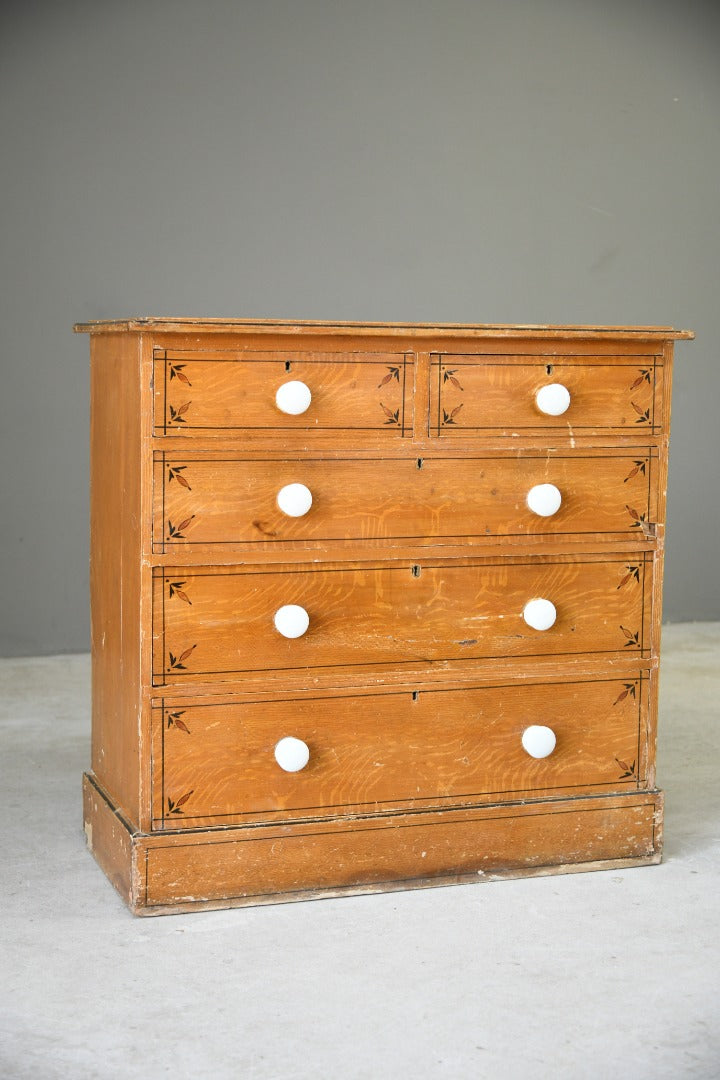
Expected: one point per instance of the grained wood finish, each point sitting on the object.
(388, 751)
(116, 473)
(222, 625)
(231, 500)
(418, 675)
(261, 864)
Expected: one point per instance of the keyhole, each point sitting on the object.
(420, 463)
(288, 365)
(549, 369)
(415, 570)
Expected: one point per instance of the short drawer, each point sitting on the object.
(213, 623)
(215, 763)
(235, 502)
(477, 396)
(235, 393)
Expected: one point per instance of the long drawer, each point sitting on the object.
(214, 763)
(231, 501)
(217, 622)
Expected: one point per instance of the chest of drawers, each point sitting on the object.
(373, 606)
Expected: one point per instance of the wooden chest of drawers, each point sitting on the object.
(373, 606)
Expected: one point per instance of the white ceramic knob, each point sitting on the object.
(294, 500)
(544, 499)
(292, 754)
(538, 741)
(539, 614)
(553, 399)
(293, 398)
(291, 620)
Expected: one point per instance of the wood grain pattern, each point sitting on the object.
(235, 392)
(232, 867)
(115, 587)
(210, 500)
(479, 395)
(386, 753)
(417, 675)
(418, 846)
(392, 614)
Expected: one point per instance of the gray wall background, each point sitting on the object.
(489, 161)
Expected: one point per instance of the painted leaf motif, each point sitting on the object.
(173, 720)
(177, 416)
(644, 376)
(393, 373)
(176, 532)
(449, 417)
(629, 688)
(450, 376)
(632, 574)
(644, 414)
(186, 654)
(176, 372)
(175, 472)
(627, 770)
(638, 467)
(176, 807)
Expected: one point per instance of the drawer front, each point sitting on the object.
(231, 501)
(376, 751)
(235, 393)
(476, 396)
(215, 623)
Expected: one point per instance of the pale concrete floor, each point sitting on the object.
(605, 975)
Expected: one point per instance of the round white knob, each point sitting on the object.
(538, 741)
(294, 500)
(293, 398)
(292, 754)
(539, 614)
(544, 499)
(553, 399)
(291, 620)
